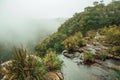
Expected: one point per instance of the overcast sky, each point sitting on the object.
(43, 8)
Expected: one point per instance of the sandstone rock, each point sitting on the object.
(115, 67)
(54, 75)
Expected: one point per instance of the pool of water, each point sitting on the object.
(72, 71)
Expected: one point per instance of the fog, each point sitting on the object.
(28, 22)
(26, 31)
(24, 21)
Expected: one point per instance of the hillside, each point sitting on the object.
(91, 19)
(89, 43)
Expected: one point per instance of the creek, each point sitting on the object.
(72, 71)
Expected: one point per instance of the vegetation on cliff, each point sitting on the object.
(91, 19)
(72, 35)
(73, 42)
(112, 38)
(25, 66)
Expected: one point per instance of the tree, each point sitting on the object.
(95, 3)
(92, 18)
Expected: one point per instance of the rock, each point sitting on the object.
(112, 64)
(59, 74)
(54, 75)
(110, 56)
(98, 49)
(115, 67)
(65, 51)
(80, 50)
(6, 64)
(78, 61)
(86, 48)
(76, 54)
(96, 43)
(68, 55)
(81, 56)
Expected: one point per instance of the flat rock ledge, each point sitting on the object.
(54, 75)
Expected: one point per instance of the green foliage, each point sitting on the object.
(102, 56)
(112, 35)
(53, 42)
(74, 42)
(25, 67)
(91, 34)
(88, 57)
(92, 18)
(51, 61)
(0, 71)
(58, 47)
(115, 50)
(95, 3)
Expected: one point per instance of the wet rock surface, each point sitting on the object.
(102, 69)
(72, 71)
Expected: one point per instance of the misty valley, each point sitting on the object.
(30, 32)
(52, 40)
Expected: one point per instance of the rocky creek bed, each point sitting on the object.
(75, 69)
(72, 71)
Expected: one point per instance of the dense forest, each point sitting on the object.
(93, 18)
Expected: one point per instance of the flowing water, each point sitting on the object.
(72, 71)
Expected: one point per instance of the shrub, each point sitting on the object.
(112, 37)
(91, 34)
(25, 67)
(102, 56)
(74, 42)
(88, 57)
(112, 34)
(51, 61)
(115, 50)
(0, 71)
(53, 41)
